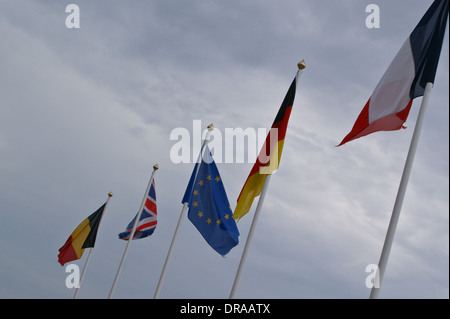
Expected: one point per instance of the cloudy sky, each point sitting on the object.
(87, 111)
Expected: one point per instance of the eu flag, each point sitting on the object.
(209, 209)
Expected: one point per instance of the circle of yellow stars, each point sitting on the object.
(195, 203)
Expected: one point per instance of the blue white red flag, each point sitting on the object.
(405, 79)
(147, 222)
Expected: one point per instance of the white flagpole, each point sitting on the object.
(400, 195)
(183, 212)
(163, 273)
(250, 236)
(110, 194)
(82, 274)
(301, 66)
(130, 238)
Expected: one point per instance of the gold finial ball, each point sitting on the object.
(301, 65)
(210, 127)
(110, 194)
(155, 167)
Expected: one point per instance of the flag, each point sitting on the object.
(82, 237)
(406, 77)
(209, 209)
(147, 221)
(269, 156)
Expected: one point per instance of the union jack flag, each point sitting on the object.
(147, 222)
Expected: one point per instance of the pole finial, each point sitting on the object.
(301, 65)
(110, 194)
(210, 127)
(155, 167)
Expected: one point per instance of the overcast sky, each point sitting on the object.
(87, 111)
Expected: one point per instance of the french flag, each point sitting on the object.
(148, 220)
(412, 68)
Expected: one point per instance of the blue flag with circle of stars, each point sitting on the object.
(209, 209)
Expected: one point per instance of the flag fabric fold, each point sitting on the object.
(209, 209)
(82, 237)
(406, 77)
(147, 221)
(269, 156)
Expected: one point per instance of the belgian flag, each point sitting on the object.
(82, 237)
(269, 156)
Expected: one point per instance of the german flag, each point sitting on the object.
(82, 237)
(269, 156)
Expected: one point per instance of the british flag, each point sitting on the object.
(148, 220)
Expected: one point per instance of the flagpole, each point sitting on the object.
(169, 253)
(110, 194)
(180, 219)
(130, 238)
(82, 274)
(400, 195)
(250, 236)
(301, 66)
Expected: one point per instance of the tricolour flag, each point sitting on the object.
(82, 237)
(405, 79)
(269, 156)
(209, 209)
(147, 221)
